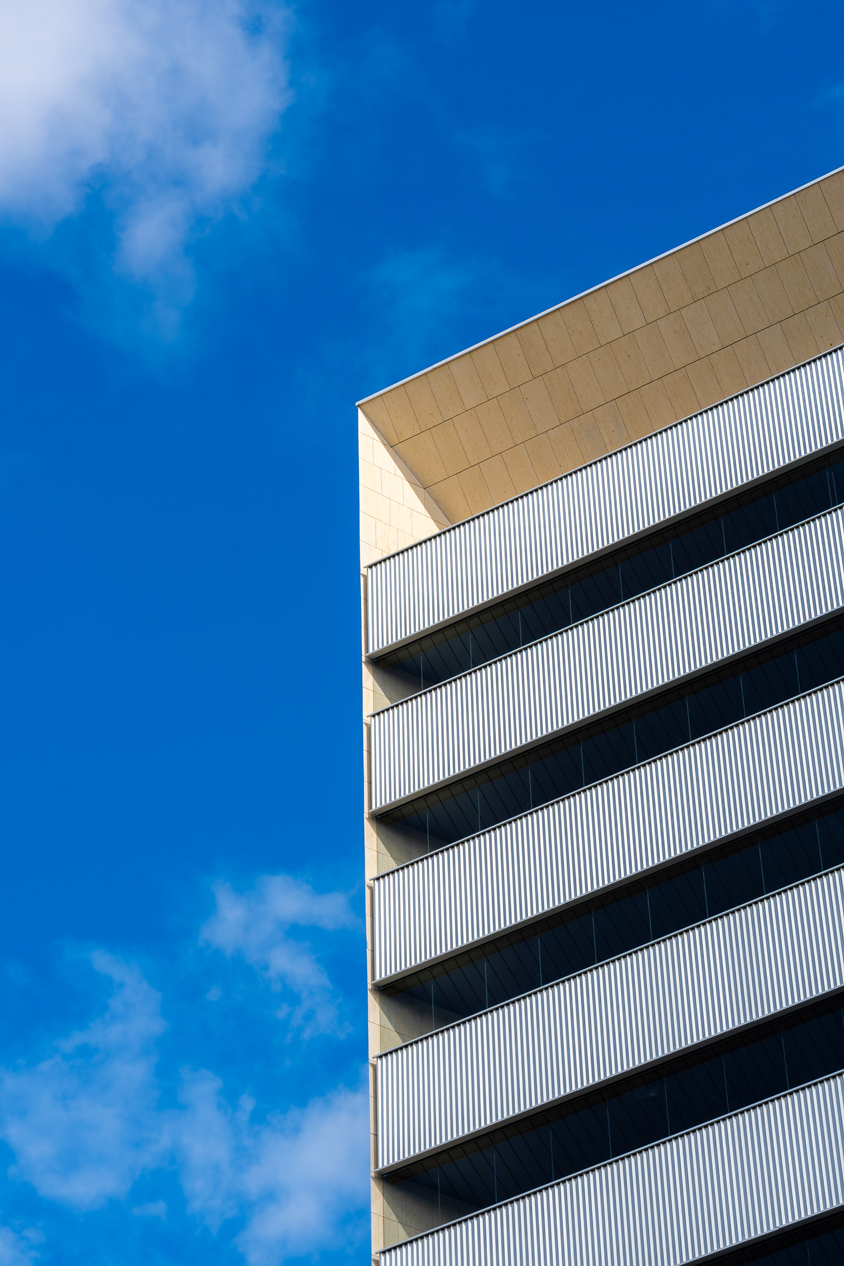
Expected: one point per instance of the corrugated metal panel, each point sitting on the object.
(719, 1186)
(646, 643)
(696, 985)
(597, 505)
(519, 870)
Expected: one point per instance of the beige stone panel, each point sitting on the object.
(825, 328)
(565, 449)
(562, 394)
(498, 481)
(752, 359)
(696, 271)
(748, 305)
(512, 359)
(626, 306)
(727, 369)
(743, 248)
(717, 253)
(490, 370)
(474, 489)
(472, 436)
(792, 225)
(534, 349)
(610, 423)
(636, 419)
(681, 394)
(588, 437)
(649, 293)
(422, 400)
(836, 303)
(820, 269)
(609, 376)
(377, 411)
(520, 468)
(422, 456)
(468, 382)
(654, 352)
(833, 194)
(801, 341)
(722, 313)
(405, 421)
(796, 284)
(516, 415)
(541, 410)
(701, 328)
(449, 495)
(672, 282)
(675, 332)
(585, 384)
(657, 405)
(448, 398)
(392, 486)
(448, 445)
(767, 236)
(602, 315)
(776, 349)
(580, 327)
(772, 296)
(705, 383)
(557, 338)
(835, 250)
(816, 213)
(543, 457)
(494, 426)
(631, 362)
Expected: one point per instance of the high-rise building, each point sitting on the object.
(604, 686)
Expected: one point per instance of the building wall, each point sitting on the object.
(713, 318)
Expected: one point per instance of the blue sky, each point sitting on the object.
(220, 225)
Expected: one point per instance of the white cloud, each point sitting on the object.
(297, 1179)
(165, 106)
(253, 925)
(16, 1250)
(81, 1122)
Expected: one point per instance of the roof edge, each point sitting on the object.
(591, 290)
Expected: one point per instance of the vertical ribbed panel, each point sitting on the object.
(627, 492)
(739, 777)
(696, 985)
(639, 646)
(717, 1187)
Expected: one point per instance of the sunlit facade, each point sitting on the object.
(603, 603)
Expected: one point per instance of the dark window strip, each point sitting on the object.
(683, 1093)
(685, 894)
(819, 1243)
(664, 556)
(682, 714)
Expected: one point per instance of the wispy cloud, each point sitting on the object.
(81, 1121)
(88, 1122)
(300, 1177)
(162, 108)
(254, 926)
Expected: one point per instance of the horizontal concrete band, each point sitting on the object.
(640, 646)
(699, 984)
(605, 502)
(594, 838)
(715, 1188)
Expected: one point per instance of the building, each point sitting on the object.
(604, 687)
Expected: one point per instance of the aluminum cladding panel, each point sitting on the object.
(717, 1187)
(698, 984)
(639, 646)
(590, 509)
(517, 871)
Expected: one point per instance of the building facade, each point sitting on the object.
(603, 609)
